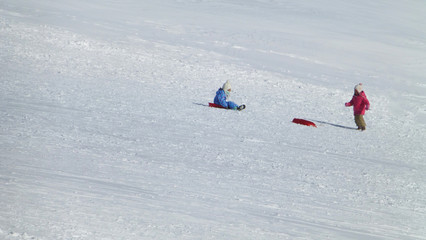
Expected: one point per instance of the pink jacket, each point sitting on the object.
(360, 103)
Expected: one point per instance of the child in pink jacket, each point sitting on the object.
(361, 104)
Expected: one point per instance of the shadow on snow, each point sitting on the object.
(334, 125)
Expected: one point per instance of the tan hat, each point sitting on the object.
(358, 88)
(226, 86)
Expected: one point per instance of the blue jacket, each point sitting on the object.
(220, 99)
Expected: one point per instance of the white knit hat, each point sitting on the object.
(226, 86)
(358, 88)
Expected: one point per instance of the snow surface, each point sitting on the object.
(105, 133)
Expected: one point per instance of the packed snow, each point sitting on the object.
(106, 131)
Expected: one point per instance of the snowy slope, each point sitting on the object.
(105, 133)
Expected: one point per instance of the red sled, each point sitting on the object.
(215, 105)
(304, 122)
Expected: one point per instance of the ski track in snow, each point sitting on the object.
(110, 140)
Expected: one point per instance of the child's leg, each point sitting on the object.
(363, 125)
(232, 105)
(360, 123)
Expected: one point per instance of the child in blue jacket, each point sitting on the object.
(222, 94)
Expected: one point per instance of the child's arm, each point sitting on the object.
(222, 101)
(367, 103)
(350, 103)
